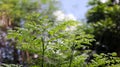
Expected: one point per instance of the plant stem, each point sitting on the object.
(43, 52)
(71, 58)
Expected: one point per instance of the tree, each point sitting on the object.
(12, 14)
(104, 18)
(54, 45)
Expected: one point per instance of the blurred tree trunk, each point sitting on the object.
(5, 24)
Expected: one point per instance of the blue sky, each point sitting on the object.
(76, 7)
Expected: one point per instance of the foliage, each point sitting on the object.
(10, 65)
(12, 14)
(62, 43)
(105, 60)
(16, 10)
(104, 19)
(53, 44)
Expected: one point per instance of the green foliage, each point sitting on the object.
(40, 35)
(105, 60)
(16, 10)
(103, 11)
(57, 47)
(10, 65)
(53, 44)
(104, 20)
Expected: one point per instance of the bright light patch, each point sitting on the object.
(103, 1)
(70, 17)
(60, 16)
